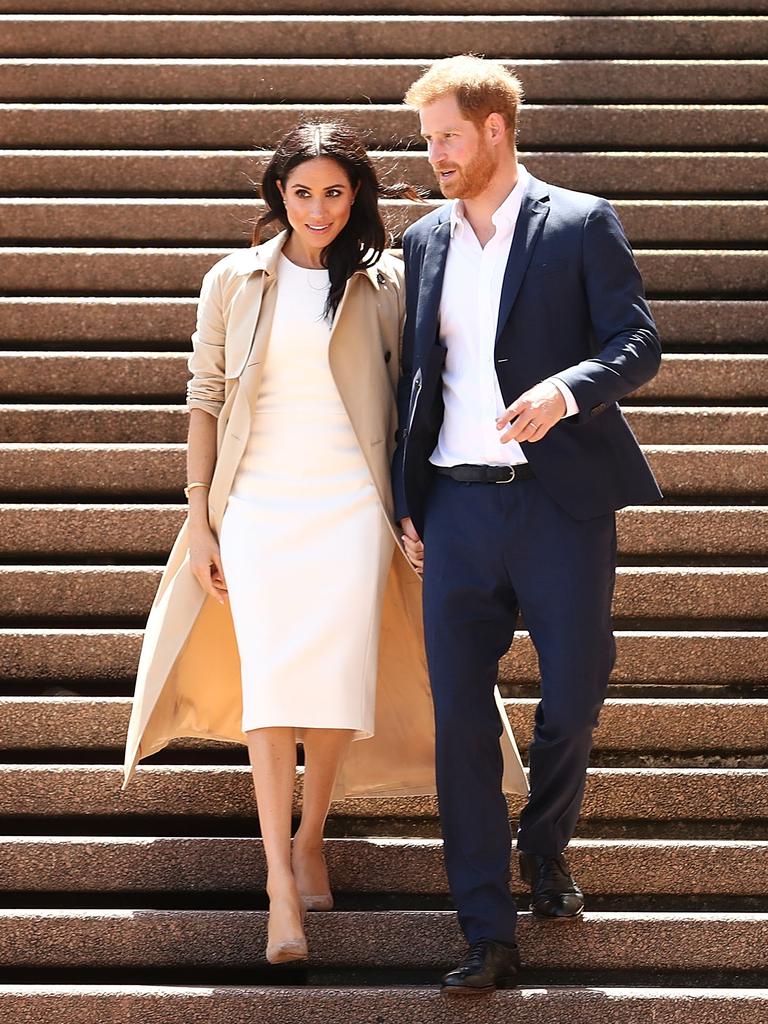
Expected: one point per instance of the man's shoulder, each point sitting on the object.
(419, 230)
(569, 202)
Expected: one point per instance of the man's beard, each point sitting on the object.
(469, 181)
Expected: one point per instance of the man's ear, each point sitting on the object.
(497, 127)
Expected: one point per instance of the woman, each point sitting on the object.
(289, 539)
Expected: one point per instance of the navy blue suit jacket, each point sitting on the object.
(572, 304)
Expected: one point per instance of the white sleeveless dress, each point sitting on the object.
(304, 543)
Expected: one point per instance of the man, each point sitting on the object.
(526, 324)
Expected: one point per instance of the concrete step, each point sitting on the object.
(275, 1004)
(226, 791)
(681, 469)
(107, 471)
(396, 939)
(383, 36)
(28, 270)
(121, 375)
(55, 376)
(71, 657)
(145, 531)
(725, 377)
(692, 531)
(150, 472)
(649, 222)
(321, 80)
(148, 531)
(699, 425)
(237, 126)
(209, 174)
(84, 656)
(638, 725)
(630, 867)
(463, 7)
(158, 424)
(73, 592)
(164, 322)
(655, 656)
(121, 424)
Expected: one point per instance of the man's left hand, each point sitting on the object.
(533, 414)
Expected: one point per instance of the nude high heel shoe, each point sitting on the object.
(281, 951)
(284, 952)
(322, 902)
(317, 901)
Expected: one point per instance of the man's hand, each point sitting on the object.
(414, 548)
(533, 415)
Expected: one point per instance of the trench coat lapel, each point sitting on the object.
(244, 317)
(246, 342)
(533, 213)
(350, 360)
(250, 379)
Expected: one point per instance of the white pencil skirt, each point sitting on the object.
(306, 551)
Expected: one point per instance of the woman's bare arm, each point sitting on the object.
(204, 556)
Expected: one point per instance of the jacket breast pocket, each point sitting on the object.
(545, 267)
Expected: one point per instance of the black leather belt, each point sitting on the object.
(466, 474)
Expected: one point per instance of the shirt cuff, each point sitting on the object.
(571, 405)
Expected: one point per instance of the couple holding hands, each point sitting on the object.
(387, 463)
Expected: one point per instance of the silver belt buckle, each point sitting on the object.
(511, 476)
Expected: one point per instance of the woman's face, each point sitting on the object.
(318, 198)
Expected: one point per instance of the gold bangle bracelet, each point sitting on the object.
(190, 487)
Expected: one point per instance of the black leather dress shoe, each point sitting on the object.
(486, 966)
(554, 894)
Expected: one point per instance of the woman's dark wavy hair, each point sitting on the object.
(363, 238)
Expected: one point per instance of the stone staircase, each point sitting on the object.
(127, 153)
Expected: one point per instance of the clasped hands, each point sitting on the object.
(529, 418)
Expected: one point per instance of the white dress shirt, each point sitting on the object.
(469, 312)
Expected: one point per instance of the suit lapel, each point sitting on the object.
(533, 213)
(431, 283)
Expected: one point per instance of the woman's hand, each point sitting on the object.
(205, 561)
(414, 548)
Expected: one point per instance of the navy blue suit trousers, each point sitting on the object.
(493, 551)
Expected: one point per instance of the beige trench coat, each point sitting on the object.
(188, 681)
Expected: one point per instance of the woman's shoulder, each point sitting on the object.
(391, 267)
(246, 261)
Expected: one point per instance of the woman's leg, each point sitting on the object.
(324, 752)
(273, 761)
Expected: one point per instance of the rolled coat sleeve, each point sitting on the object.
(205, 389)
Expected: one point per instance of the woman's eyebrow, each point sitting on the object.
(308, 189)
